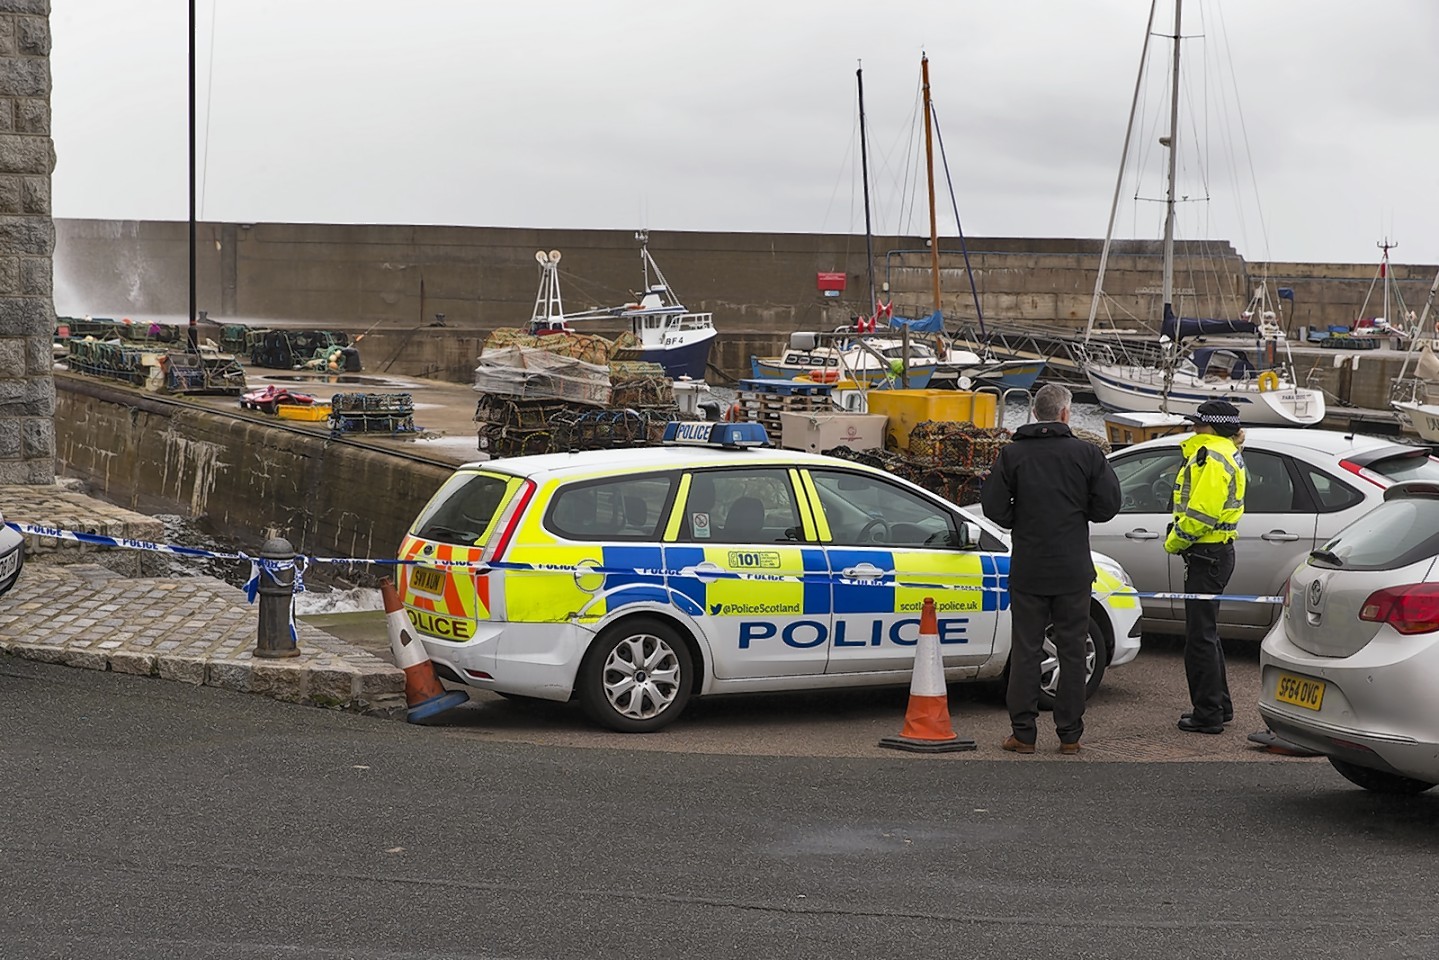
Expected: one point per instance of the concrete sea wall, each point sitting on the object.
(156, 456)
(396, 278)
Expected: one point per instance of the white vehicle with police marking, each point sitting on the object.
(635, 579)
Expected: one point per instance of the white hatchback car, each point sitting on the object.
(1304, 487)
(1349, 670)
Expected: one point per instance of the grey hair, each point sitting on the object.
(1050, 401)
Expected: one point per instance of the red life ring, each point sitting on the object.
(824, 376)
(734, 413)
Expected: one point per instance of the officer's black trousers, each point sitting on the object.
(1030, 614)
(1207, 569)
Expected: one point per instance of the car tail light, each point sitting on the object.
(1411, 608)
(1364, 473)
(509, 520)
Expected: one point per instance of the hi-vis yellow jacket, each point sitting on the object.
(1208, 493)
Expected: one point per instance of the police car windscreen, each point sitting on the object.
(461, 512)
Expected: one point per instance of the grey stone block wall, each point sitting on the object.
(27, 243)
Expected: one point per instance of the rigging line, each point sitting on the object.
(963, 246)
(1119, 182)
(909, 196)
(1244, 135)
(209, 98)
(839, 177)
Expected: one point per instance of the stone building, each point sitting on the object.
(27, 242)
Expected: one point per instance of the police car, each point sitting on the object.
(636, 579)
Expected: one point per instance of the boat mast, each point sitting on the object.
(864, 170)
(1171, 350)
(929, 174)
(1169, 142)
(1386, 246)
(643, 236)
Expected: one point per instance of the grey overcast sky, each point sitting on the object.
(740, 115)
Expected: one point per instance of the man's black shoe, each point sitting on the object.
(1188, 725)
(1228, 717)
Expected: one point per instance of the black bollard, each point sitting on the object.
(277, 591)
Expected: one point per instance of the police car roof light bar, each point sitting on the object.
(703, 433)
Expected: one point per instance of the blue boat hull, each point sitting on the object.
(1021, 378)
(688, 360)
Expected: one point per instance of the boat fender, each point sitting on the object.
(1268, 380)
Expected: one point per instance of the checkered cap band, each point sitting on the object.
(1218, 418)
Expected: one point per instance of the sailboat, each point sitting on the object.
(860, 359)
(958, 366)
(1416, 398)
(1242, 366)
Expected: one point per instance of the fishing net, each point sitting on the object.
(527, 373)
(589, 347)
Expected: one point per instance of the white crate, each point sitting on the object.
(815, 432)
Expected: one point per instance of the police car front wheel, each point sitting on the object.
(636, 677)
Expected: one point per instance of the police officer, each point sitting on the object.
(1208, 502)
(1048, 486)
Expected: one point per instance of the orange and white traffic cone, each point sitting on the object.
(423, 693)
(927, 728)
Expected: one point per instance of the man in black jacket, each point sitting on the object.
(1047, 486)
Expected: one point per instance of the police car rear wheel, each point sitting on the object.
(636, 677)
(1095, 660)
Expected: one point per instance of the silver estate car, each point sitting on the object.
(1304, 487)
(1350, 668)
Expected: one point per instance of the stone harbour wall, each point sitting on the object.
(156, 456)
(27, 241)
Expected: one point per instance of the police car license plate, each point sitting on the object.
(1300, 691)
(428, 579)
(9, 564)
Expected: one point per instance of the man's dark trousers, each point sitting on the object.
(1029, 614)
(1207, 569)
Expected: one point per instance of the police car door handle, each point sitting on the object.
(863, 571)
(1141, 534)
(705, 571)
(1279, 535)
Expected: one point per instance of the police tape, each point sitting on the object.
(880, 579)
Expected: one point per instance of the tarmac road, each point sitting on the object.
(1132, 717)
(148, 820)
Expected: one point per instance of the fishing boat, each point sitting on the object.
(666, 332)
(1244, 359)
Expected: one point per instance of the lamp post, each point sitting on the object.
(194, 329)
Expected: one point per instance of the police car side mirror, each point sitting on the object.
(969, 535)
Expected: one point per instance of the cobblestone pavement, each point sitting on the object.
(195, 630)
(92, 607)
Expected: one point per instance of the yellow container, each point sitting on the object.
(303, 411)
(907, 408)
